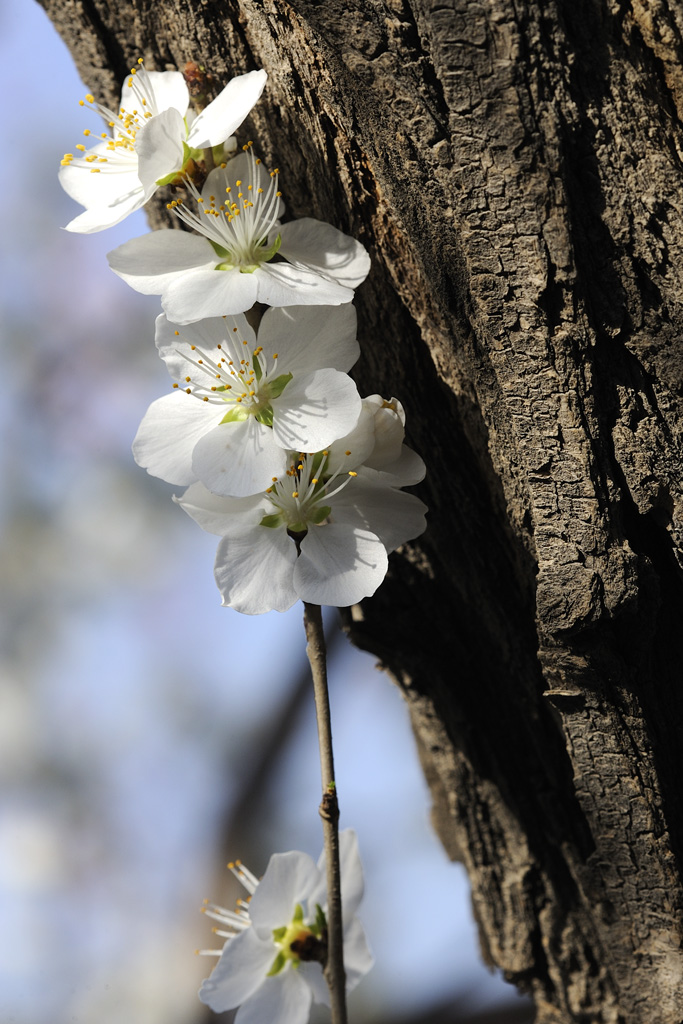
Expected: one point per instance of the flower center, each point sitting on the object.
(300, 497)
(238, 225)
(117, 149)
(245, 382)
(299, 941)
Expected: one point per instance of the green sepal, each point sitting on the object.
(224, 266)
(271, 522)
(168, 179)
(320, 514)
(249, 268)
(219, 249)
(278, 963)
(256, 363)
(278, 384)
(235, 415)
(279, 933)
(320, 924)
(268, 254)
(297, 528)
(298, 913)
(265, 416)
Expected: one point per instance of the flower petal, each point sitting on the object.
(357, 956)
(254, 569)
(289, 879)
(311, 337)
(280, 284)
(241, 970)
(100, 217)
(169, 89)
(283, 999)
(393, 515)
(159, 146)
(312, 973)
(208, 293)
(238, 459)
(325, 250)
(339, 565)
(151, 263)
(225, 114)
(167, 436)
(222, 515)
(408, 469)
(112, 184)
(314, 410)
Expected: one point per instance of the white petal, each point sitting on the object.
(393, 515)
(225, 114)
(208, 293)
(407, 470)
(169, 88)
(352, 884)
(312, 973)
(314, 410)
(359, 441)
(289, 879)
(283, 999)
(325, 250)
(339, 565)
(174, 344)
(241, 970)
(237, 459)
(280, 284)
(112, 184)
(357, 957)
(100, 217)
(159, 146)
(222, 515)
(254, 569)
(389, 432)
(169, 431)
(151, 263)
(311, 337)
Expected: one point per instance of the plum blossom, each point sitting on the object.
(322, 531)
(155, 137)
(240, 401)
(270, 965)
(229, 266)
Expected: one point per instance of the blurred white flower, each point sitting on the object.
(230, 267)
(239, 405)
(322, 531)
(154, 137)
(271, 964)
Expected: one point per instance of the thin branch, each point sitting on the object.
(335, 975)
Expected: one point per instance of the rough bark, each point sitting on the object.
(515, 170)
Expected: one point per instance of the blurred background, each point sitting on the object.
(146, 734)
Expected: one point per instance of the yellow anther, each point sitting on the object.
(81, 147)
(268, 490)
(177, 333)
(86, 131)
(175, 385)
(89, 97)
(351, 473)
(274, 355)
(314, 480)
(238, 182)
(81, 103)
(274, 479)
(189, 390)
(94, 170)
(188, 379)
(205, 398)
(133, 71)
(140, 60)
(278, 194)
(258, 160)
(347, 452)
(213, 387)
(295, 494)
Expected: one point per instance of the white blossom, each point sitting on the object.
(321, 532)
(240, 401)
(155, 136)
(241, 254)
(269, 966)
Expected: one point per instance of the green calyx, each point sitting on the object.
(320, 514)
(278, 384)
(271, 523)
(299, 941)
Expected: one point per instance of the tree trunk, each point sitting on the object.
(515, 169)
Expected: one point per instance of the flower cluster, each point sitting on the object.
(300, 478)
(270, 965)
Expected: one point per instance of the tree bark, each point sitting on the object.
(515, 170)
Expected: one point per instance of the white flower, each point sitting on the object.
(229, 268)
(320, 533)
(239, 404)
(154, 136)
(269, 966)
